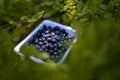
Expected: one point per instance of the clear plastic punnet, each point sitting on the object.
(71, 33)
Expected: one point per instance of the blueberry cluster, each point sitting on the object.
(51, 40)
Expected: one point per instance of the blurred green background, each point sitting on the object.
(95, 56)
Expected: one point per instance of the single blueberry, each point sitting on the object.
(55, 45)
(63, 31)
(59, 44)
(45, 36)
(53, 40)
(50, 51)
(52, 34)
(66, 34)
(51, 46)
(45, 42)
(49, 28)
(57, 38)
(40, 49)
(47, 31)
(57, 32)
(42, 34)
(55, 53)
(40, 40)
(59, 51)
(44, 27)
(55, 49)
(43, 39)
(48, 35)
(49, 40)
(46, 50)
(47, 45)
(39, 33)
(56, 28)
(36, 41)
(43, 46)
(40, 43)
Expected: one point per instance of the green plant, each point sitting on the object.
(95, 56)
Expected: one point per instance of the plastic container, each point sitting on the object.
(69, 30)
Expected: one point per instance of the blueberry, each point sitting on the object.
(43, 46)
(66, 38)
(50, 51)
(39, 33)
(40, 40)
(57, 32)
(55, 53)
(57, 38)
(49, 28)
(40, 49)
(43, 39)
(56, 28)
(55, 45)
(42, 34)
(52, 34)
(55, 49)
(40, 43)
(59, 45)
(46, 50)
(36, 41)
(53, 40)
(44, 27)
(47, 45)
(63, 31)
(59, 51)
(45, 36)
(49, 40)
(51, 46)
(66, 34)
(48, 31)
(48, 35)
(45, 42)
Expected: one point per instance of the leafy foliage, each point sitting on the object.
(95, 56)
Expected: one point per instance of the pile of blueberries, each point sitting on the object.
(52, 40)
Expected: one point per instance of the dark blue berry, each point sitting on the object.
(43, 46)
(40, 49)
(59, 51)
(44, 27)
(45, 42)
(40, 40)
(48, 31)
(55, 45)
(50, 51)
(40, 43)
(49, 28)
(53, 40)
(56, 28)
(55, 53)
(43, 39)
(36, 41)
(63, 31)
(49, 40)
(57, 32)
